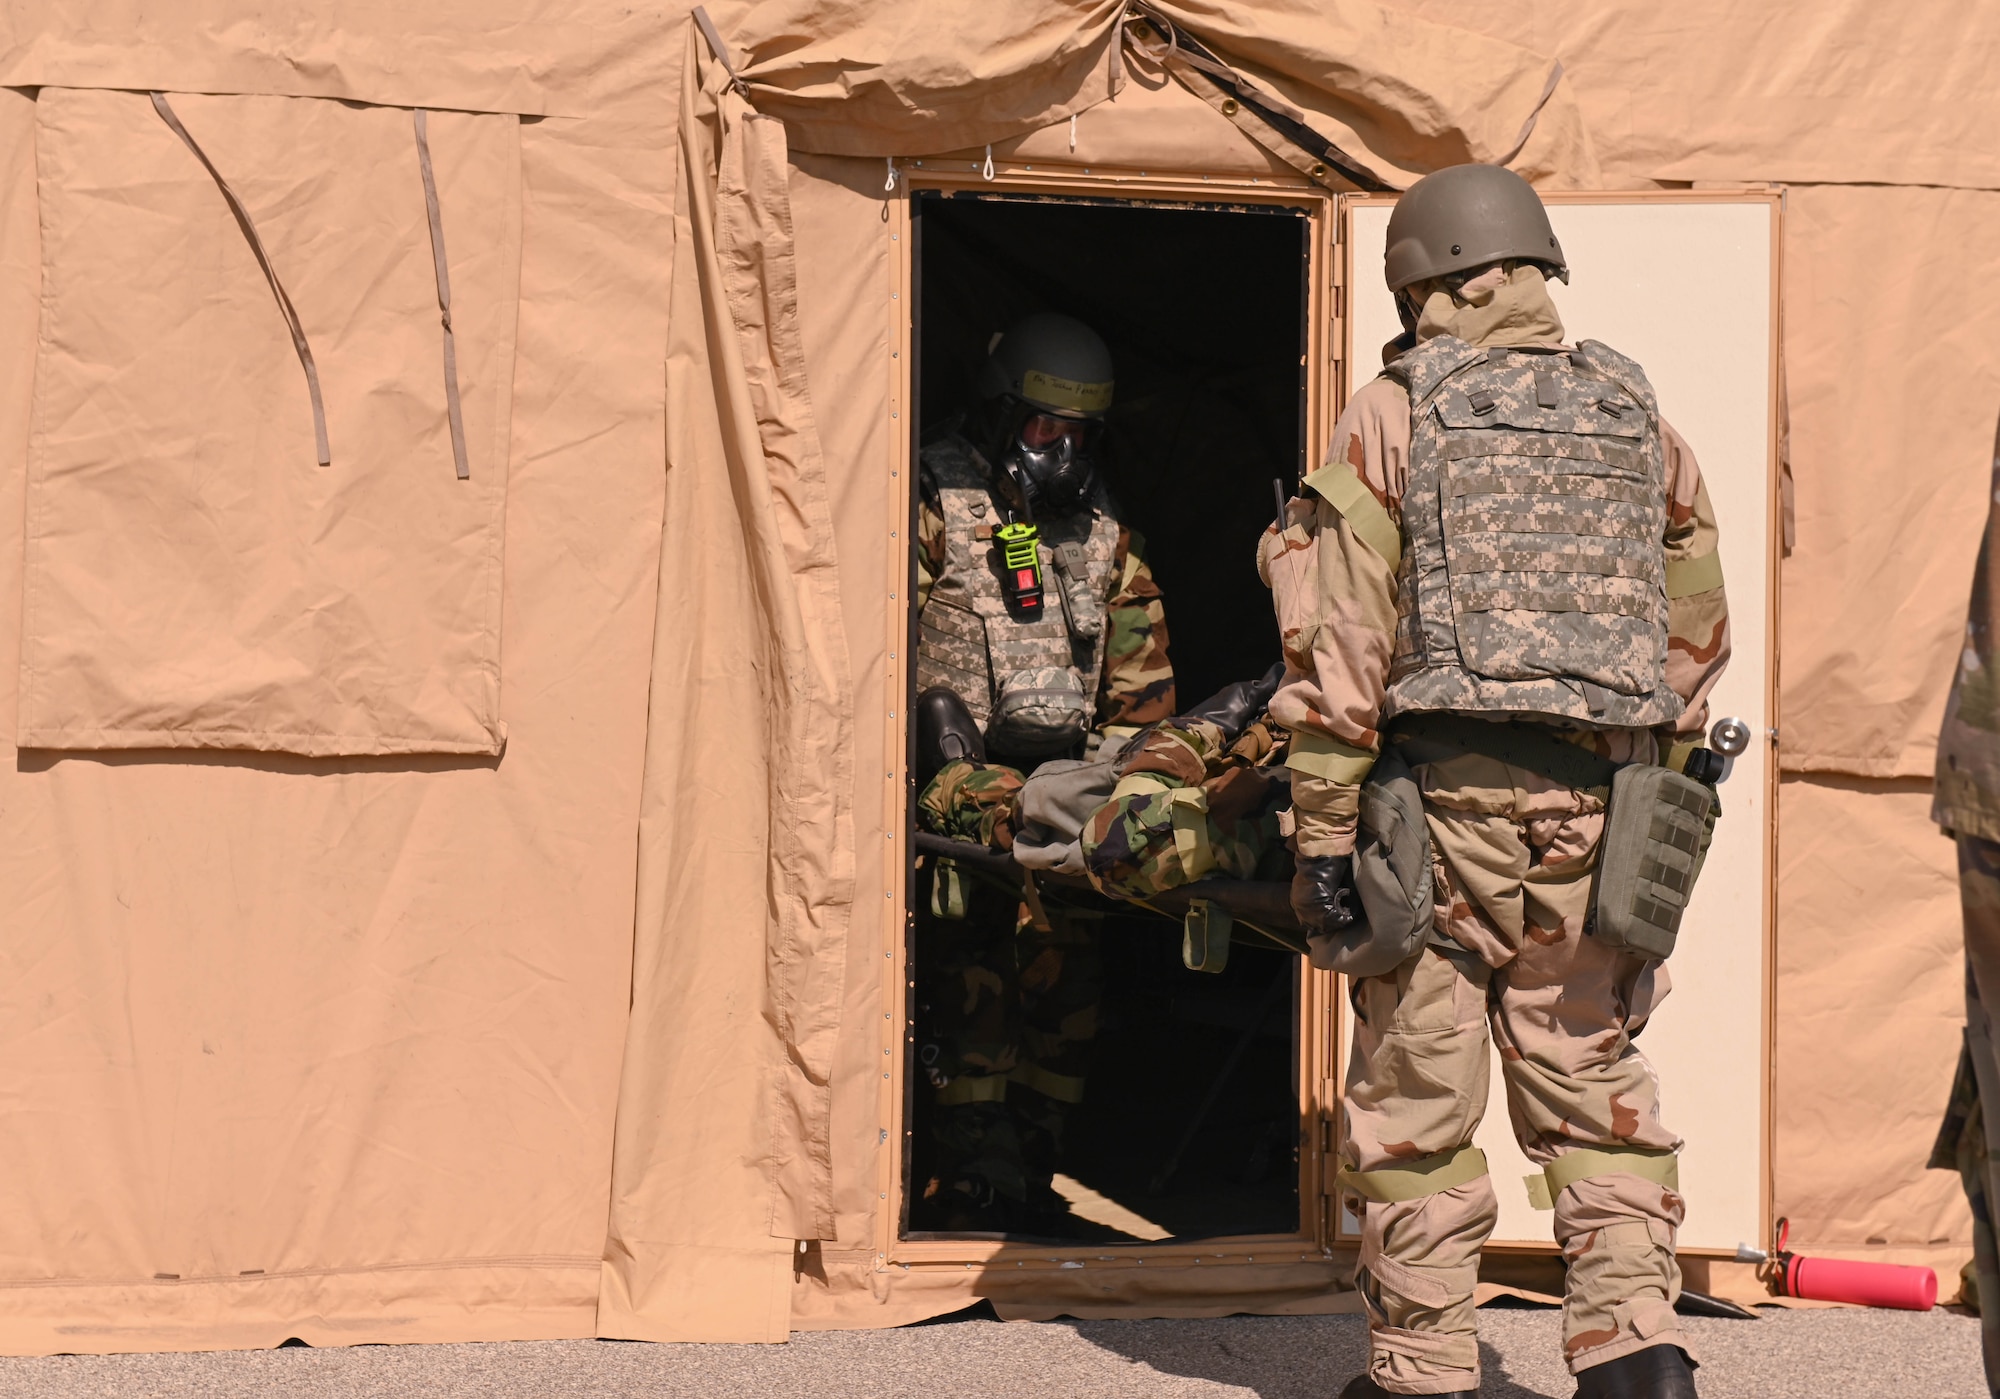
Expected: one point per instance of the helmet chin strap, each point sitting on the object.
(1406, 312)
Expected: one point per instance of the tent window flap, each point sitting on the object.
(192, 579)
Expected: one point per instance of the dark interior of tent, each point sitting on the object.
(1189, 1123)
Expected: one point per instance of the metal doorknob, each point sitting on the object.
(1729, 737)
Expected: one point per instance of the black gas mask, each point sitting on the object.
(1049, 462)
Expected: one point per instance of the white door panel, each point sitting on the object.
(1685, 288)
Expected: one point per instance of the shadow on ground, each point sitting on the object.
(1284, 1357)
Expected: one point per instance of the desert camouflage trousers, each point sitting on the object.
(1514, 857)
(1969, 1141)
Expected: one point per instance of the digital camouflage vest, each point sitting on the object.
(1533, 578)
(1032, 684)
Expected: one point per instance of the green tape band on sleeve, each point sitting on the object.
(1316, 755)
(1338, 486)
(1427, 1175)
(1700, 574)
(1141, 784)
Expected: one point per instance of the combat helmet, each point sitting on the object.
(1465, 217)
(1051, 362)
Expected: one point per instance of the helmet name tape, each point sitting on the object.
(1065, 393)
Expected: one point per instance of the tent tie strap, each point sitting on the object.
(1287, 123)
(453, 409)
(720, 50)
(249, 228)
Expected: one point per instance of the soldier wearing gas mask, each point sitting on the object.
(1039, 630)
(1035, 608)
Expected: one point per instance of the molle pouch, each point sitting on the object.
(1655, 835)
(1392, 876)
(1083, 609)
(1039, 713)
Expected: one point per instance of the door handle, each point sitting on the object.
(1729, 737)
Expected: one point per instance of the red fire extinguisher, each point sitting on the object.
(1895, 1285)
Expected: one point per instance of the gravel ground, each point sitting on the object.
(1810, 1355)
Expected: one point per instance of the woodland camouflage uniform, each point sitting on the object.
(1016, 1004)
(1967, 806)
(1190, 805)
(1514, 853)
(1008, 1009)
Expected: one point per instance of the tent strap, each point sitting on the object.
(1278, 126)
(720, 50)
(270, 274)
(452, 407)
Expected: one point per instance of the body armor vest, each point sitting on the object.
(1031, 682)
(1533, 580)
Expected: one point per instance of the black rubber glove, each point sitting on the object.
(1323, 893)
(1233, 707)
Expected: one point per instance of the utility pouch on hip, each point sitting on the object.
(1392, 876)
(1039, 712)
(1655, 836)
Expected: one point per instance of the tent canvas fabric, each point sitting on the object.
(395, 1041)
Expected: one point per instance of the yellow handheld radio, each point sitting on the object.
(1021, 565)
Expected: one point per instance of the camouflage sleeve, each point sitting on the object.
(1697, 607)
(1187, 806)
(972, 801)
(1137, 685)
(1332, 575)
(930, 549)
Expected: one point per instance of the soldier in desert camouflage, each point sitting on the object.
(1504, 528)
(1011, 677)
(1967, 807)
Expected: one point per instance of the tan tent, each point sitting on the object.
(453, 857)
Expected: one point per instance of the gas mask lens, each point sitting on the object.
(1043, 430)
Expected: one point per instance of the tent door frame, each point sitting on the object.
(1319, 1005)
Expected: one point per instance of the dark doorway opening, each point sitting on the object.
(1205, 312)
(1189, 1124)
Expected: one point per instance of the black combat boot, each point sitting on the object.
(1657, 1372)
(1361, 1387)
(1232, 707)
(946, 733)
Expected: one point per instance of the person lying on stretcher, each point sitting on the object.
(1201, 795)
